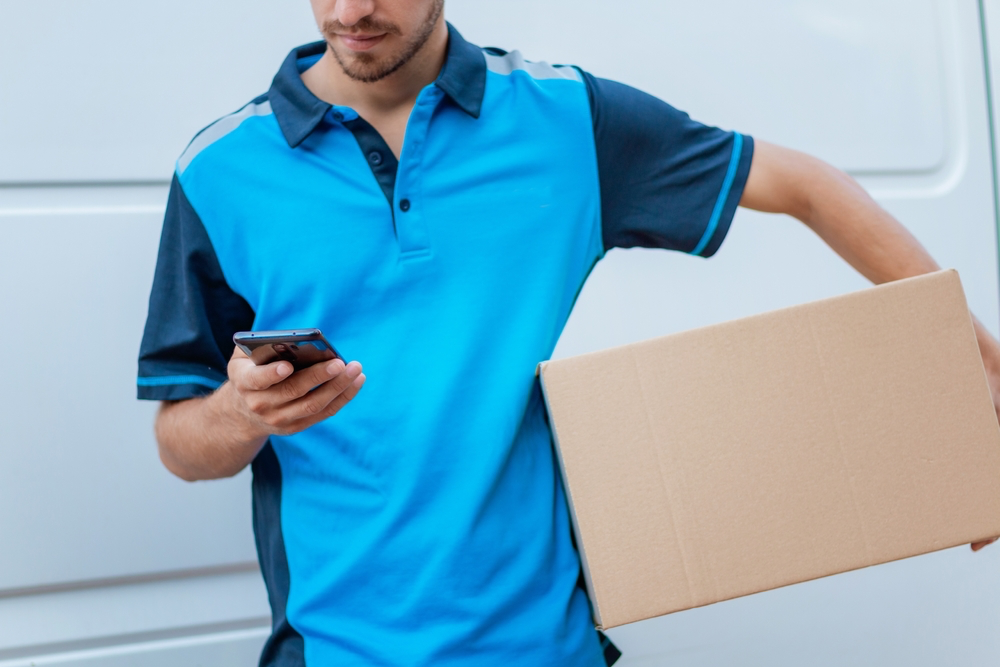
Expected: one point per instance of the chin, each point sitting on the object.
(366, 66)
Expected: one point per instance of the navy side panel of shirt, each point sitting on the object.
(185, 350)
(666, 181)
(193, 312)
(285, 647)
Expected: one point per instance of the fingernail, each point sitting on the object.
(284, 369)
(333, 367)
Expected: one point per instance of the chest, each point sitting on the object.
(469, 203)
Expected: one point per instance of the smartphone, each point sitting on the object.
(301, 347)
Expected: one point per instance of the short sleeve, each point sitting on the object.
(193, 313)
(666, 181)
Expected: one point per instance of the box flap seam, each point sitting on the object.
(820, 359)
(663, 478)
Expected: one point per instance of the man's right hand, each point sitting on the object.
(220, 434)
(272, 400)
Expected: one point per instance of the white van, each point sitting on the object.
(107, 560)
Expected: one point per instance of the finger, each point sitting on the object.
(308, 379)
(250, 377)
(317, 400)
(976, 546)
(334, 406)
(345, 397)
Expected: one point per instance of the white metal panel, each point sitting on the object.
(109, 615)
(990, 12)
(112, 90)
(238, 648)
(856, 82)
(107, 559)
(83, 494)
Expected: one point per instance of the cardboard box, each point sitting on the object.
(776, 449)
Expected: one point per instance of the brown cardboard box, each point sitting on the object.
(776, 449)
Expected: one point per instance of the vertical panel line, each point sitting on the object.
(988, 75)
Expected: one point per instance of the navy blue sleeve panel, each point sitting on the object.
(666, 181)
(193, 313)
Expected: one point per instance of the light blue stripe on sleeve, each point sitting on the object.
(720, 203)
(177, 379)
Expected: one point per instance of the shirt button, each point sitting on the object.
(404, 205)
(375, 158)
(337, 116)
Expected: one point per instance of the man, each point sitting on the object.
(434, 208)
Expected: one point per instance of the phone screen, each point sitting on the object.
(302, 348)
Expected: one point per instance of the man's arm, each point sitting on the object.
(834, 206)
(220, 434)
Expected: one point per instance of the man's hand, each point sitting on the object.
(219, 435)
(990, 351)
(976, 546)
(839, 210)
(274, 401)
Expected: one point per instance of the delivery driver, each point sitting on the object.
(434, 208)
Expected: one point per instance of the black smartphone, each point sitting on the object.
(301, 347)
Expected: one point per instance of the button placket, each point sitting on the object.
(411, 226)
(375, 152)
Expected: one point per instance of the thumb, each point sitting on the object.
(249, 377)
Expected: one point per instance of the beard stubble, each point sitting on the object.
(365, 67)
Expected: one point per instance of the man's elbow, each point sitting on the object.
(166, 443)
(186, 451)
(192, 473)
(169, 456)
(176, 469)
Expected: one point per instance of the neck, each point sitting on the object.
(327, 80)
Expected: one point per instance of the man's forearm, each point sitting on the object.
(202, 438)
(839, 210)
(852, 223)
(862, 232)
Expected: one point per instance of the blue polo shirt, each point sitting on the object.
(425, 524)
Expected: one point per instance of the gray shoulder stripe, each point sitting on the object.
(513, 61)
(219, 129)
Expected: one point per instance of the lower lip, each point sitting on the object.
(355, 44)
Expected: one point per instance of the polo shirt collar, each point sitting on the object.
(463, 77)
(298, 111)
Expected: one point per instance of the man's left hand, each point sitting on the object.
(990, 349)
